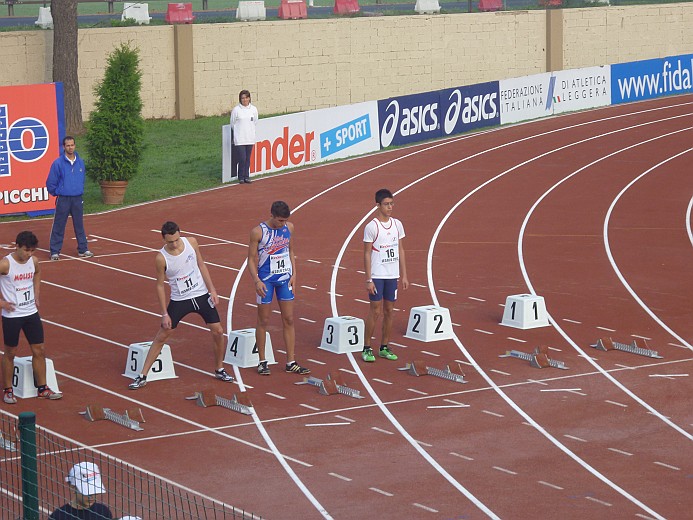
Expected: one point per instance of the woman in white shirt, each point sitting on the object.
(243, 121)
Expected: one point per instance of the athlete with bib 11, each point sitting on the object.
(180, 261)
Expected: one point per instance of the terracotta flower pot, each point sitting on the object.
(113, 192)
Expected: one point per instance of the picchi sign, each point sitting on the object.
(32, 125)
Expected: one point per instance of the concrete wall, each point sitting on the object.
(306, 64)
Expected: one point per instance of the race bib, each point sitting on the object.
(280, 264)
(25, 295)
(390, 254)
(187, 283)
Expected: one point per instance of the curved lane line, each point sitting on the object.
(495, 387)
(618, 271)
(688, 220)
(558, 328)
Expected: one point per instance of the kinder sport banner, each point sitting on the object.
(32, 124)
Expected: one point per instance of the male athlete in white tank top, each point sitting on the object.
(20, 279)
(180, 262)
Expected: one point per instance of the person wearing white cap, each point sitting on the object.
(85, 480)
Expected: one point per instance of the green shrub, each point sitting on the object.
(116, 129)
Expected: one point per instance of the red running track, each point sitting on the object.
(590, 210)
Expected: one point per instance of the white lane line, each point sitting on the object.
(329, 424)
(276, 396)
(425, 508)
(460, 456)
(309, 287)
(361, 301)
(381, 492)
(668, 375)
(340, 477)
(427, 445)
(555, 349)
(641, 337)
(548, 484)
(447, 292)
(677, 345)
(517, 339)
(598, 501)
(417, 285)
(572, 321)
(430, 353)
(509, 472)
(499, 372)
(483, 331)
(621, 452)
(454, 402)
(398, 345)
(316, 361)
(573, 437)
(309, 407)
(493, 413)
(606, 329)
(313, 261)
(347, 371)
(538, 382)
(560, 389)
(435, 407)
(616, 403)
(345, 418)
(382, 381)
(375, 428)
(187, 232)
(307, 319)
(414, 390)
(669, 466)
(476, 299)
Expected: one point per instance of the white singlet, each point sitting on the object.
(183, 273)
(18, 288)
(385, 237)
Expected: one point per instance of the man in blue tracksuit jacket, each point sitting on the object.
(66, 183)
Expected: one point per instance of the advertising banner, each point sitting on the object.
(470, 107)
(649, 79)
(344, 131)
(579, 89)
(32, 126)
(525, 98)
(409, 119)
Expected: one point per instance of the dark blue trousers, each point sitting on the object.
(64, 206)
(243, 151)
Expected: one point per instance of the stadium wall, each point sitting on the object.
(308, 64)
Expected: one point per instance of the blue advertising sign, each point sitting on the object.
(408, 119)
(345, 135)
(649, 79)
(470, 107)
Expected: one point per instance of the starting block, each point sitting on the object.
(343, 334)
(419, 368)
(606, 344)
(162, 368)
(23, 384)
(538, 359)
(429, 323)
(238, 402)
(130, 419)
(525, 311)
(241, 349)
(331, 386)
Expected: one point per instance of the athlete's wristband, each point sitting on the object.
(369, 281)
